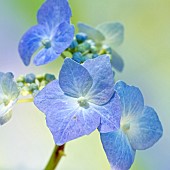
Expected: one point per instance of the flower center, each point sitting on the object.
(83, 102)
(46, 43)
(125, 125)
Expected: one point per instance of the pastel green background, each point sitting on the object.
(26, 143)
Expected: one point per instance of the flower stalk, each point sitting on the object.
(28, 100)
(55, 158)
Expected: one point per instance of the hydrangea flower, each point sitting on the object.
(8, 96)
(109, 35)
(140, 129)
(51, 36)
(82, 100)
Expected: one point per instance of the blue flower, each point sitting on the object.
(8, 96)
(140, 129)
(82, 100)
(109, 35)
(51, 36)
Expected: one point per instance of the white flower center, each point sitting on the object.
(83, 102)
(125, 124)
(46, 43)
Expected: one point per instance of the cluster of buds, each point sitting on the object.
(83, 48)
(31, 84)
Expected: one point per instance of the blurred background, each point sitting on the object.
(25, 141)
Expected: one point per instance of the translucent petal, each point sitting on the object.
(103, 79)
(8, 96)
(31, 42)
(117, 61)
(74, 79)
(63, 37)
(8, 88)
(65, 118)
(145, 130)
(45, 56)
(131, 99)
(118, 150)
(54, 12)
(92, 33)
(5, 117)
(113, 32)
(110, 114)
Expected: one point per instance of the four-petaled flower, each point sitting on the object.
(109, 35)
(140, 128)
(82, 100)
(8, 96)
(51, 36)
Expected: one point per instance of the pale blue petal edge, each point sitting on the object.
(113, 32)
(110, 114)
(63, 37)
(117, 61)
(45, 56)
(131, 99)
(74, 79)
(118, 150)
(54, 12)
(103, 79)
(146, 130)
(31, 42)
(92, 33)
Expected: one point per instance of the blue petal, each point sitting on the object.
(113, 32)
(54, 12)
(117, 61)
(31, 42)
(65, 118)
(60, 41)
(118, 150)
(145, 130)
(45, 56)
(92, 33)
(63, 37)
(74, 79)
(110, 114)
(103, 79)
(131, 99)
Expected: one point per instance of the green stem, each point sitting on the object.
(57, 154)
(63, 56)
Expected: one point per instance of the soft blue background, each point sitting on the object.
(26, 143)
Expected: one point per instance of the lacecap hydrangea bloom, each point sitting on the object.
(140, 128)
(82, 100)
(8, 96)
(108, 35)
(51, 36)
